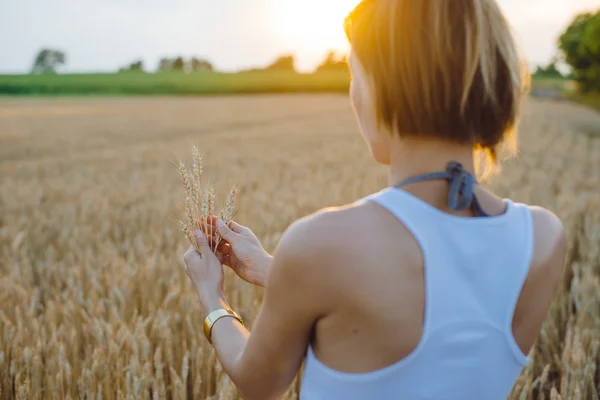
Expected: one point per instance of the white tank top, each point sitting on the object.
(474, 272)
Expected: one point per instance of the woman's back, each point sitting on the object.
(429, 304)
(440, 306)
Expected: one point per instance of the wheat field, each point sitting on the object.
(94, 299)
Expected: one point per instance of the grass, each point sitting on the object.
(588, 99)
(564, 89)
(200, 83)
(94, 298)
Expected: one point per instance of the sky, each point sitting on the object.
(103, 35)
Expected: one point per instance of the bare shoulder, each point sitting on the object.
(311, 256)
(550, 242)
(543, 279)
(332, 235)
(328, 229)
(548, 260)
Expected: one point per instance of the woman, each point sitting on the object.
(433, 288)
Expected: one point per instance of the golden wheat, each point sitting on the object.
(94, 301)
(200, 203)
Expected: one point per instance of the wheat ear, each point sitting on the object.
(211, 211)
(185, 179)
(226, 213)
(188, 224)
(200, 203)
(197, 173)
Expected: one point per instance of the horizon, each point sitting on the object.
(91, 32)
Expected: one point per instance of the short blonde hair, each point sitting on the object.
(447, 69)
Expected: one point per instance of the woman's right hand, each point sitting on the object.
(240, 250)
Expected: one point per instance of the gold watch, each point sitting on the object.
(214, 317)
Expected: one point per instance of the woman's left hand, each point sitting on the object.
(206, 273)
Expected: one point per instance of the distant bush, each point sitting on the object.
(333, 62)
(137, 66)
(182, 65)
(580, 44)
(548, 72)
(47, 60)
(284, 63)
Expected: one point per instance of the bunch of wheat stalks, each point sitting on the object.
(200, 203)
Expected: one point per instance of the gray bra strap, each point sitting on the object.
(462, 184)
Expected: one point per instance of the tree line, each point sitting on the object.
(287, 62)
(333, 61)
(47, 61)
(578, 47)
(173, 64)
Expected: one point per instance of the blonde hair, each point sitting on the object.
(446, 69)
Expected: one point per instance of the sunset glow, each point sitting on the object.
(311, 23)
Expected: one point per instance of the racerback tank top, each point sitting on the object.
(475, 269)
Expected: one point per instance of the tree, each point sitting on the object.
(179, 64)
(333, 62)
(47, 60)
(283, 63)
(165, 64)
(200, 65)
(580, 45)
(549, 71)
(137, 66)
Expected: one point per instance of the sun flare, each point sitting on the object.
(314, 23)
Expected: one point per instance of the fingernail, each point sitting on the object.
(220, 223)
(199, 234)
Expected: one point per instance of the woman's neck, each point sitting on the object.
(412, 157)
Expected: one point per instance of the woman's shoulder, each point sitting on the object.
(550, 242)
(338, 225)
(546, 266)
(334, 235)
(326, 252)
(544, 275)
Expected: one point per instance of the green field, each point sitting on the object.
(564, 86)
(210, 83)
(198, 83)
(589, 99)
(173, 83)
(564, 89)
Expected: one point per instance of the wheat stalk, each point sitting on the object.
(96, 276)
(185, 179)
(227, 212)
(200, 203)
(197, 171)
(210, 206)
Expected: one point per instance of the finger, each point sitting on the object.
(212, 238)
(207, 226)
(225, 232)
(202, 242)
(211, 220)
(234, 226)
(237, 228)
(212, 243)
